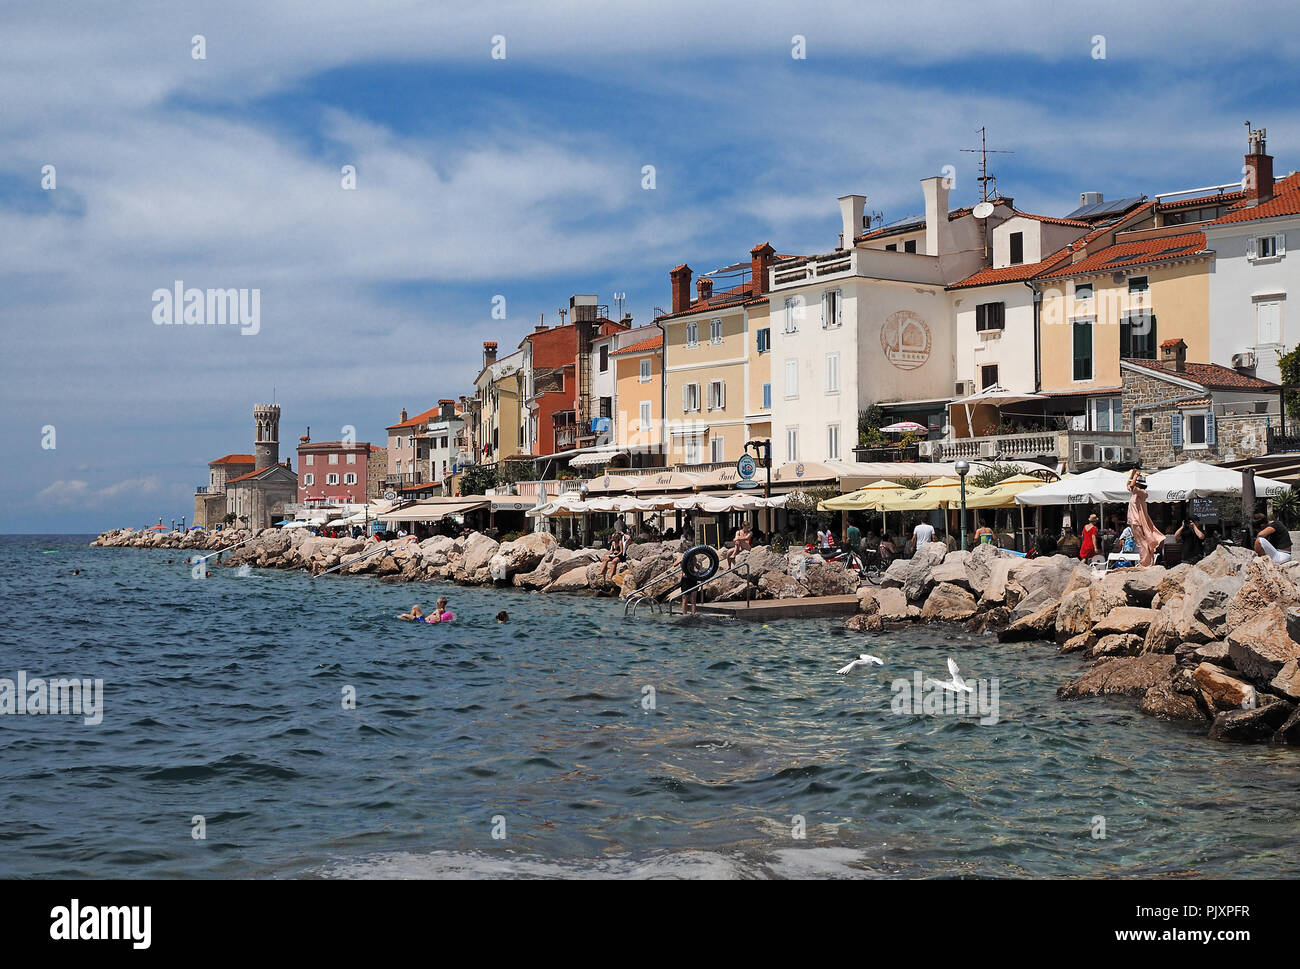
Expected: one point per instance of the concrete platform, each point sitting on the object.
(765, 610)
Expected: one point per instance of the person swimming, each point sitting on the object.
(503, 616)
(440, 613)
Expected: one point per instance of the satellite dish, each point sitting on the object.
(983, 210)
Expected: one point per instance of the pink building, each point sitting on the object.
(333, 471)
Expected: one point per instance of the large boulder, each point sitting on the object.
(1123, 676)
(1164, 702)
(979, 564)
(762, 560)
(1287, 681)
(1261, 647)
(1162, 634)
(948, 602)
(1251, 726)
(863, 623)
(1223, 691)
(1116, 644)
(1040, 624)
(1210, 603)
(1000, 572)
(1141, 585)
(573, 580)
(913, 575)
(1126, 619)
(952, 570)
(1224, 560)
(479, 550)
(1075, 614)
(522, 555)
(1048, 575)
(1263, 583)
(830, 579)
(891, 605)
(989, 620)
(779, 585)
(437, 551)
(1031, 604)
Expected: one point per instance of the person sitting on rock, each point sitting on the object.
(741, 543)
(1272, 539)
(617, 554)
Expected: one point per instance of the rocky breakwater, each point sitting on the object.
(1215, 643)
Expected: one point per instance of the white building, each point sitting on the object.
(442, 431)
(870, 322)
(1253, 319)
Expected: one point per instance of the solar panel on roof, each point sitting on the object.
(1096, 209)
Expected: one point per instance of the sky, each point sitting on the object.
(520, 176)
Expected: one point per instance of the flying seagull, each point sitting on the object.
(956, 684)
(864, 661)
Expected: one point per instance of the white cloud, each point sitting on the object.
(75, 493)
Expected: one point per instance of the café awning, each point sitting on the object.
(435, 509)
(1194, 479)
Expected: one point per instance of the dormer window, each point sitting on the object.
(1017, 241)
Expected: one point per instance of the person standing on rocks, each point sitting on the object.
(1145, 533)
(1088, 548)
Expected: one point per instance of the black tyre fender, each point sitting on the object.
(694, 570)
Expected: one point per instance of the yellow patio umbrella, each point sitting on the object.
(1003, 494)
(923, 499)
(866, 498)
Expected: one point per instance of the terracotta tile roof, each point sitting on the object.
(741, 295)
(1211, 376)
(1053, 221)
(653, 343)
(1219, 198)
(1012, 274)
(1195, 402)
(257, 473)
(424, 418)
(1285, 201)
(1135, 254)
(235, 459)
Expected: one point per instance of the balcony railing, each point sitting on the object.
(1079, 449)
(910, 453)
(413, 477)
(1282, 444)
(207, 490)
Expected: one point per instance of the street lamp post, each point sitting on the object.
(963, 469)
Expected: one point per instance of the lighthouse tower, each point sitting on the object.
(266, 446)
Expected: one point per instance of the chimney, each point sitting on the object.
(541, 323)
(446, 407)
(936, 215)
(850, 219)
(489, 353)
(681, 279)
(760, 261)
(402, 419)
(1173, 354)
(306, 438)
(704, 286)
(1258, 183)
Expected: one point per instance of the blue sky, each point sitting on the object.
(519, 177)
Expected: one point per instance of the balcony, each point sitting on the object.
(1080, 450)
(911, 452)
(566, 437)
(414, 477)
(869, 263)
(208, 490)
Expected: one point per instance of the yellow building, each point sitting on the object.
(500, 412)
(638, 391)
(1122, 302)
(717, 375)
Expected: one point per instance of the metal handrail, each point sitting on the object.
(713, 578)
(384, 547)
(643, 593)
(218, 552)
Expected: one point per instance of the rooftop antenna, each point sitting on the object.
(563, 312)
(620, 299)
(984, 152)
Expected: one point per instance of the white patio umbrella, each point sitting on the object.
(1194, 479)
(1090, 488)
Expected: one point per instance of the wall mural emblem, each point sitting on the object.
(905, 338)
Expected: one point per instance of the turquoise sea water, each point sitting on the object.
(223, 699)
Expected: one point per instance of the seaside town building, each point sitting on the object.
(408, 452)
(637, 361)
(716, 359)
(499, 389)
(334, 472)
(442, 431)
(254, 488)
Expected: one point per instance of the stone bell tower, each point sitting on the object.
(266, 445)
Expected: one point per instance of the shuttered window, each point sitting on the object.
(1176, 430)
(1082, 349)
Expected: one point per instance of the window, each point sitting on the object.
(1017, 241)
(792, 444)
(832, 373)
(717, 395)
(350, 478)
(644, 416)
(1266, 247)
(332, 479)
(645, 371)
(692, 445)
(1137, 336)
(1083, 291)
(1147, 424)
(791, 379)
(1082, 349)
(832, 442)
(310, 456)
(352, 459)
(411, 440)
(990, 316)
(717, 450)
(909, 246)
(831, 309)
(767, 396)
(715, 331)
(1138, 284)
(692, 334)
(892, 247)
(1268, 323)
(690, 397)
(988, 375)
(1107, 413)
(607, 407)
(765, 340)
(334, 459)
(1193, 430)
(604, 357)
(791, 323)
(308, 479)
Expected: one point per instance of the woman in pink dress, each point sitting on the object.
(1146, 534)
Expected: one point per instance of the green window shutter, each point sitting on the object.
(1209, 428)
(1176, 430)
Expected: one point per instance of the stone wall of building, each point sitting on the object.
(375, 471)
(1236, 436)
(209, 509)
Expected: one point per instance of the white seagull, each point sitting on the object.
(956, 684)
(864, 661)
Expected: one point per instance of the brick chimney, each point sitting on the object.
(446, 407)
(681, 280)
(489, 352)
(402, 419)
(1173, 354)
(1258, 183)
(760, 261)
(704, 287)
